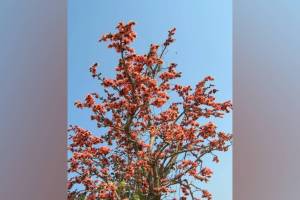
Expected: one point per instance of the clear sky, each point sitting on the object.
(203, 47)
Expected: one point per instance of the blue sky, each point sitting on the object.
(203, 47)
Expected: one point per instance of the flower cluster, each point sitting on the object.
(122, 38)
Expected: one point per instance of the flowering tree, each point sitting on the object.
(149, 147)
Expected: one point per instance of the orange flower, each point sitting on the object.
(206, 172)
(93, 70)
(206, 194)
(104, 150)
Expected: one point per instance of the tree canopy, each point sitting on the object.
(149, 143)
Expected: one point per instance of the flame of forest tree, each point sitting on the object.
(148, 146)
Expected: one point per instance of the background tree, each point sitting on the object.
(148, 144)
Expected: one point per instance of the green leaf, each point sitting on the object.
(122, 184)
(136, 197)
(81, 197)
